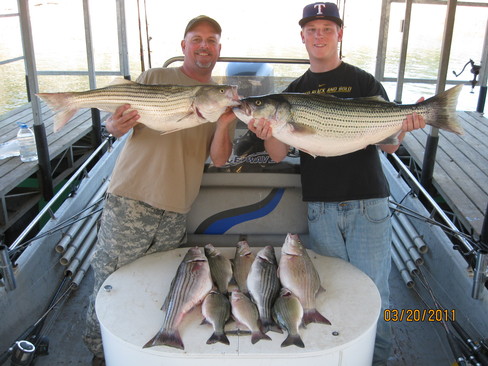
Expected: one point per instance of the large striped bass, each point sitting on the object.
(164, 108)
(264, 286)
(188, 289)
(323, 125)
(298, 274)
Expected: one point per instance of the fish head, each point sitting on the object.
(272, 107)
(243, 248)
(210, 250)
(194, 254)
(292, 245)
(267, 254)
(284, 292)
(211, 101)
(236, 296)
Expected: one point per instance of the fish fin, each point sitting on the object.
(313, 316)
(59, 103)
(309, 153)
(218, 337)
(301, 129)
(293, 339)
(375, 98)
(321, 290)
(270, 325)
(391, 140)
(166, 338)
(444, 106)
(121, 81)
(256, 336)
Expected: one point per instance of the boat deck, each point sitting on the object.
(67, 150)
(461, 169)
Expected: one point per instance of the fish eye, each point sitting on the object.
(222, 91)
(258, 102)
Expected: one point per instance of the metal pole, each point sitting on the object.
(96, 123)
(483, 74)
(433, 138)
(382, 40)
(6, 269)
(45, 176)
(122, 31)
(403, 52)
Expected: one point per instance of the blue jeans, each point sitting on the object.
(358, 232)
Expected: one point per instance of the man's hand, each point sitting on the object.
(261, 127)
(411, 122)
(120, 122)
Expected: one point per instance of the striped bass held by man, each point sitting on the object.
(323, 125)
(164, 108)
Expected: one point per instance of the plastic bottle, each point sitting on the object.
(27, 143)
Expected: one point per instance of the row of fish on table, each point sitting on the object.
(260, 293)
(318, 124)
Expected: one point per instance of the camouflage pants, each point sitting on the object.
(129, 230)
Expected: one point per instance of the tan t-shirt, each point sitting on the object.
(164, 171)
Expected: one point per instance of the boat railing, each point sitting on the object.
(48, 208)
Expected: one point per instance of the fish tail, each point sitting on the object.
(258, 335)
(313, 316)
(270, 325)
(59, 103)
(218, 337)
(293, 339)
(166, 338)
(444, 114)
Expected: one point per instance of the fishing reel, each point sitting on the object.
(25, 352)
(475, 70)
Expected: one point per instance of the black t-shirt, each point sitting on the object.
(353, 176)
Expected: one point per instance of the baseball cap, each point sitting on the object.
(202, 18)
(327, 11)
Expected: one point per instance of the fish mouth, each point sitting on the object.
(243, 112)
(236, 99)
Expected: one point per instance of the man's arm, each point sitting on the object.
(276, 149)
(221, 146)
(412, 122)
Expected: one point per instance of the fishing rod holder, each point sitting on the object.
(480, 274)
(6, 269)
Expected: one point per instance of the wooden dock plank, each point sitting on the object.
(461, 169)
(13, 171)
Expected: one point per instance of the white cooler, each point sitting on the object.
(130, 315)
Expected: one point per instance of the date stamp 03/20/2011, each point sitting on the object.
(419, 315)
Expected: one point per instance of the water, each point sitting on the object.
(258, 29)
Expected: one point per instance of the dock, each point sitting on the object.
(20, 190)
(461, 169)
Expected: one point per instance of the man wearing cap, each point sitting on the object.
(348, 213)
(157, 177)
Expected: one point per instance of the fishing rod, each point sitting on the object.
(447, 229)
(61, 225)
(462, 345)
(31, 334)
